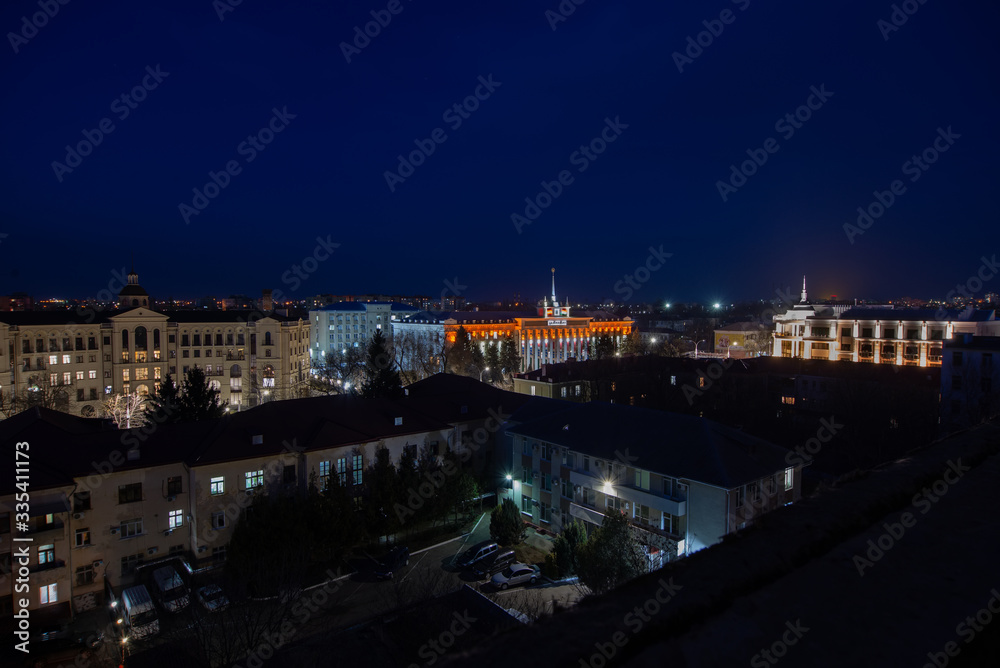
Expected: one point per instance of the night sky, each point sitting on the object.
(606, 67)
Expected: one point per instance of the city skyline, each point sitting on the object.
(735, 143)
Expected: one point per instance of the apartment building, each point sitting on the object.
(684, 482)
(108, 504)
(351, 324)
(83, 356)
(970, 381)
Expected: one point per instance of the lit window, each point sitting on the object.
(79, 375)
(255, 478)
(788, 478)
(53, 359)
(67, 378)
(175, 519)
(324, 476)
(46, 554)
(125, 375)
(82, 537)
(66, 359)
(48, 594)
(218, 485)
(357, 469)
(92, 374)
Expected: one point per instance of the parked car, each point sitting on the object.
(170, 589)
(139, 618)
(477, 553)
(516, 574)
(397, 558)
(212, 598)
(65, 636)
(491, 565)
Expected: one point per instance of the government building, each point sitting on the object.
(549, 336)
(880, 335)
(81, 357)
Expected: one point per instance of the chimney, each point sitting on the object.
(266, 302)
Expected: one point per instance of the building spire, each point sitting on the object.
(805, 299)
(553, 285)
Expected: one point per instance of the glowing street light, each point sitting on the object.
(481, 374)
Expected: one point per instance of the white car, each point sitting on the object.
(212, 598)
(516, 574)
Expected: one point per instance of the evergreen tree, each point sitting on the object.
(510, 356)
(382, 379)
(493, 362)
(460, 353)
(165, 405)
(506, 524)
(612, 556)
(199, 400)
(602, 348)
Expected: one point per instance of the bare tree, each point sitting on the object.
(127, 411)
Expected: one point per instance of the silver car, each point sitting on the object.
(516, 574)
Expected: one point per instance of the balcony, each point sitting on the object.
(47, 566)
(230, 357)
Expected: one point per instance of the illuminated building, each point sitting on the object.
(905, 337)
(549, 336)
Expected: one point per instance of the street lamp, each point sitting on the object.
(696, 348)
(481, 380)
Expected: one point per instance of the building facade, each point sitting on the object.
(970, 381)
(880, 335)
(684, 482)
(82, 357)
(351, 324)
(549, 336)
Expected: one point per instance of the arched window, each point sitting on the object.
(140, 338)
(142, 390)
(135, 302)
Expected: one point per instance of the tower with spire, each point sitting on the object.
(553, 309)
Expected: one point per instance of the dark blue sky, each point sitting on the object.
(655, 184)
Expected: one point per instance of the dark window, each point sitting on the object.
(889, 334)
(171, 338)
(140, 338)
(956, 382)
(197, 339)
(81, 501)
(218, 339)
(956, 359)
(912, 334)
(937, 334)
(80, 394)
(174, 486)
(185, 340)
(91, 343)
(85, 575)
(107, 340)
(79, 343)
(93, 394)
(866, 332)
(130, 563)
(130, 493)
(156, 339)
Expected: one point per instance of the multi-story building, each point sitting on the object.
(109, 505)
(684, 482)
(905, 337)
(548, 336)
(351, 324)
(85, 355)
(970, 381)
